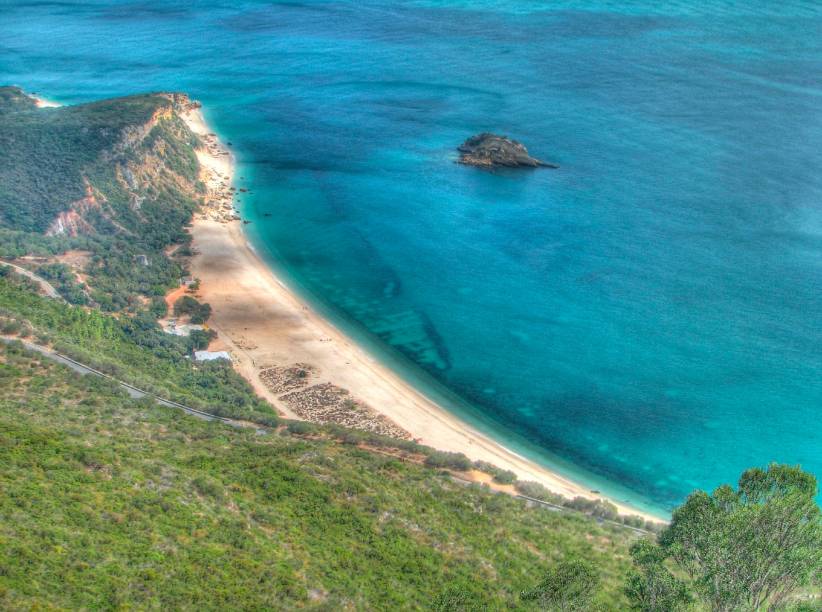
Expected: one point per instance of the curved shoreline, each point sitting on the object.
(264, 324)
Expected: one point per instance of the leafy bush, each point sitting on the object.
(302, 428)
(535, 490)
(505, 477)
(208, 486)
(187, 305)
(500, 476)
(158, 307)
(200, 339)
(453, 461)
(651, 587)
(569, 585)
(10, 327)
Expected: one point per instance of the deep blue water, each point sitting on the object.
(650, 313)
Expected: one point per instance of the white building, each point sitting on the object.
(211, 355)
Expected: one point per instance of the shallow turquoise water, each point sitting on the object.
(649, 314)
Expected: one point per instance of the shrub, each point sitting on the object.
(453, 461)
(352, 436)
(158, 307)
(569, 585)
(208, 487)
(200, 339)
(187, 305)
(270, 420)
(500, 476)
(633, 521)
(11, 327)
(301, 428)
(529, 488)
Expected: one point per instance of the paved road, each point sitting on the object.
(48, 288)
(133, 391)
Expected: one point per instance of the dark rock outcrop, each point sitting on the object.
(488, 150)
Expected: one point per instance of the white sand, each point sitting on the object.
(263, 323)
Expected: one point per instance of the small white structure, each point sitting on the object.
(211, 355)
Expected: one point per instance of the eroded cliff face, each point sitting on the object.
(150, 166)
(72, 222)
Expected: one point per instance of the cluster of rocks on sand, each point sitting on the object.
(219, 202)
(281, 380)
(322, 402)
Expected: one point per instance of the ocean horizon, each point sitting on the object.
(646, 319)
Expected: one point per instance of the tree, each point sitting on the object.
(569, 585)
(187, 305)
(200, 339)
(751, 548)
(158, 307)
(650, 586)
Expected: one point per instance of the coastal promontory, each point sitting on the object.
(489, 150)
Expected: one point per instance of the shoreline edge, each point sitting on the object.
(265, 324)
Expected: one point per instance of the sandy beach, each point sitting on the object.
(299, 361)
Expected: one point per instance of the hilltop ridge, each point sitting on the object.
(115, 179)
(60, 164)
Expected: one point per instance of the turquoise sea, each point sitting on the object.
(648, 317)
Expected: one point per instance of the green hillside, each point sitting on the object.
(48, 154)
(117, 178)
(109, 501)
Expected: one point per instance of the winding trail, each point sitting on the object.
(46, 286)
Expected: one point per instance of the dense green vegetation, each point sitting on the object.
(13, 99)
(46, 153)
(63, 279)
(111, 502)
(135, 350)
(126, 172)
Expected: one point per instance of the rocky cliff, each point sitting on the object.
(93, 167)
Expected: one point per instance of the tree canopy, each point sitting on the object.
(651, 587)
(749, 548)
